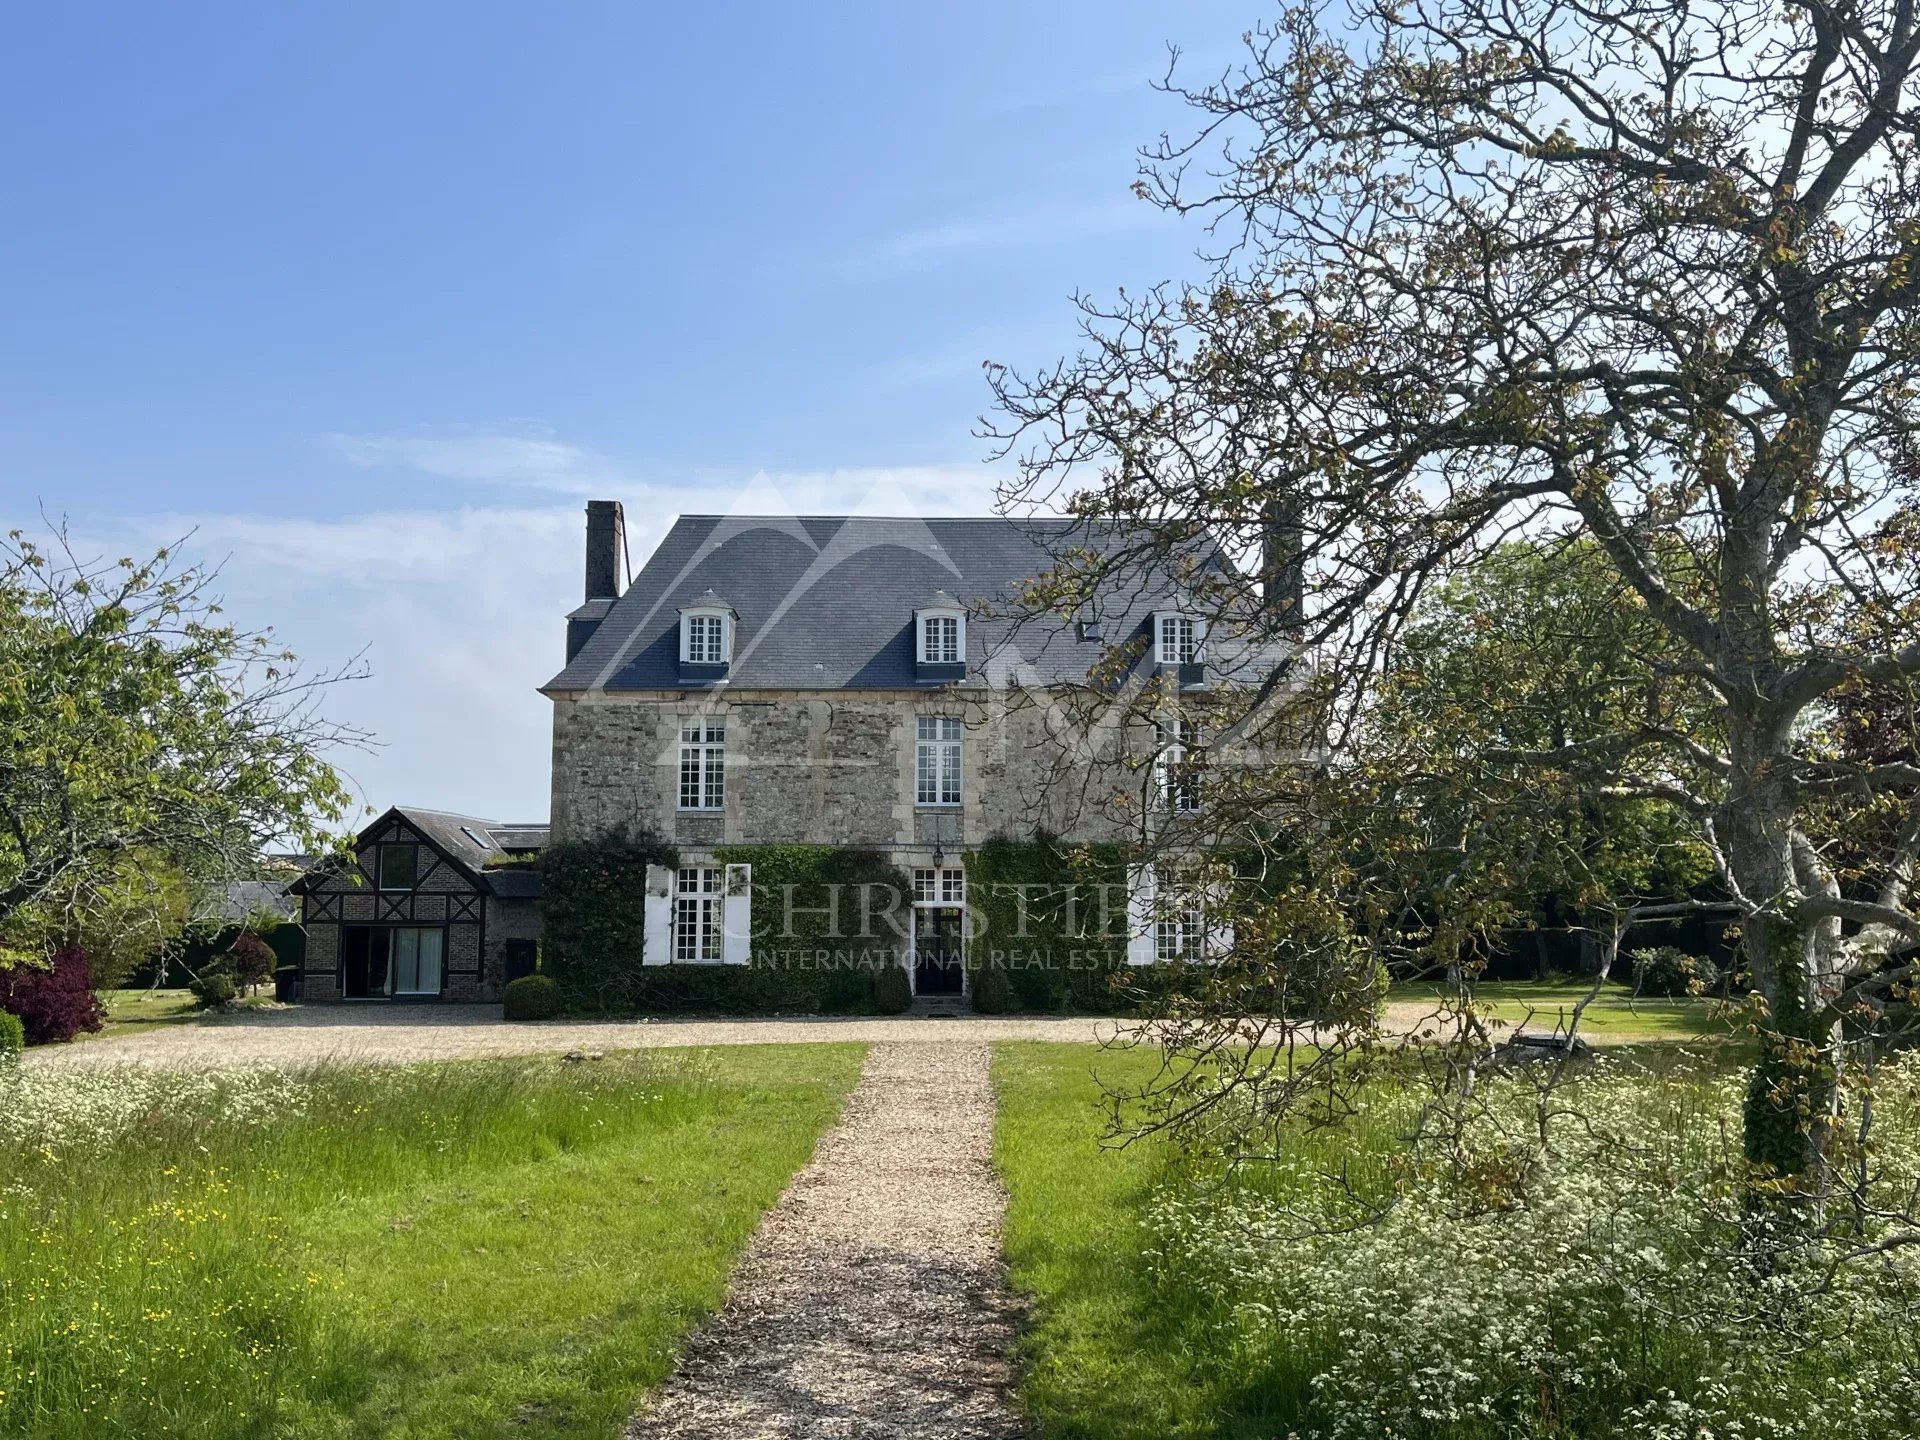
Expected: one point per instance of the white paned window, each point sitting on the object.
(937, 760)
(696, 915)
(940, 639)
(1176, 764)
(703, 637)
(1179, 640)
(946, 886)
(703, 763)
(1179, 931)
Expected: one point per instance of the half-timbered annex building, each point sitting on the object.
(431, 906)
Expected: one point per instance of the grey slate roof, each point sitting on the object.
(241, 900)
(473, 844)
(826, 602)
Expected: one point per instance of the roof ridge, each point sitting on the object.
(920, 519)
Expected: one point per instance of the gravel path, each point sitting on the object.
(397, 1034)
(871, 1303)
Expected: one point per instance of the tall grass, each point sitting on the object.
(1627, 1289)
(262, 1252)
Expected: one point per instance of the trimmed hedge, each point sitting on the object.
(532, 997)
(892, 993)
(13, 1035)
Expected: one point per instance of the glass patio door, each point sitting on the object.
(416, 957)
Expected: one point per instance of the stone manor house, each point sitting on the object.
(839, 680)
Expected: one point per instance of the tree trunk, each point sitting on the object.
(1791, 1089)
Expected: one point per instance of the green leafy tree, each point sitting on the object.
(1537, 650)
(142, 738)
(121, 913)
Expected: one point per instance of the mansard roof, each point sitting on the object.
(827, 602)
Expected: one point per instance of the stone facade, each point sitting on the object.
(834, 768)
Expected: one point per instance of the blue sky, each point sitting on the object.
(373, 296)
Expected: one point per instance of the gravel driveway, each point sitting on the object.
(871, 1303)
(396, 1034)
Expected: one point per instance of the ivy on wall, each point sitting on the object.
(593, 916)
(1053, 919)
(825, 918)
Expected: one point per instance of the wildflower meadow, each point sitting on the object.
(1346, 1289)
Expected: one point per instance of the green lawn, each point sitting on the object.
(486, 1249)
(1103, 1358)
(131, 1011)
(1614, 1015)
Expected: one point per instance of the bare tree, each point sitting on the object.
(1641, 275)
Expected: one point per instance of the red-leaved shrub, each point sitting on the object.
(53, 1004)
(252, 958)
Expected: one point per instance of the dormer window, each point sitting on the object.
(706, 638)
(1177, 638)
(940, 639)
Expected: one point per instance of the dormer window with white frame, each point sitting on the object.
(706, 632)
(707, 639)
(940, 639)
(1178, 638)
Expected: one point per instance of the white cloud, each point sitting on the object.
(864, 490)
(501, 459)
(459, 617)
(461, 613)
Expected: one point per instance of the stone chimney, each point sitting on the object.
(606, 549)
(1282, 572)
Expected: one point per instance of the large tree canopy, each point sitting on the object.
(136, 725)
(1641, 275)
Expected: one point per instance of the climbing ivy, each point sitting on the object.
(593, 916)
(1053, 918)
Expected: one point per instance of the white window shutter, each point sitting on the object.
(1142, 894)
(656, 939)
(736, 916)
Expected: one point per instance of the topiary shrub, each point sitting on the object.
(992, 992)
(55, 1002)
(1665, 970)
(13, 1035)
(532, 997)
(215, 984)
(892, 993)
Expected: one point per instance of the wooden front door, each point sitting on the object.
(937, 951)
